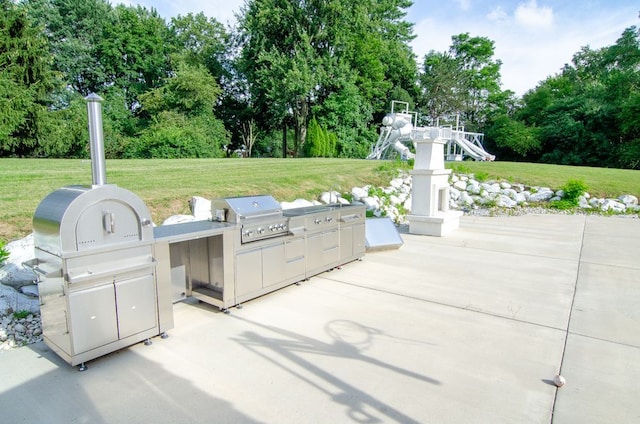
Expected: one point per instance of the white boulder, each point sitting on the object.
(359, 193)
(505, 202)
(628, 200)
(460, 185)
(298, 203)
(178, 219)
(613, 206)
(543, 195)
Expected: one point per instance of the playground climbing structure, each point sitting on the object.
(399, 128)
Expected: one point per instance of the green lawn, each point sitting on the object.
(167, 185)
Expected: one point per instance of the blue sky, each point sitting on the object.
(533, 38)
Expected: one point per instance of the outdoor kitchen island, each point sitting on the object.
(252, 248)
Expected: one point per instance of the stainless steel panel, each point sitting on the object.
(315, 252)
(53, 312)
(55, 221)
(294, 268)
(248, 272)
(352, 239)
(199, 261)
(235, 209)
(381, 234)
(178, 283)
(136, 305)
(216, 262)
(273, 270)
(93, 321)
(346, 243)
(107, 265)
(331, 239)
(107, 223)
(294, 248)
(359, 240)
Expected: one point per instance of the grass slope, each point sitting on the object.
(167, 185)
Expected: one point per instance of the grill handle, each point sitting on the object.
(108, 220)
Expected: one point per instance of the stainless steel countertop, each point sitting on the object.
(191, 230)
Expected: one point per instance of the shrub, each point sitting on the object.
(481, 176)
(4, 253)
(21, 314)
(573, 189)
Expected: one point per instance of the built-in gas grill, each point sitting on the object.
(259, 217)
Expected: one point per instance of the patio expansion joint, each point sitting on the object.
(566, 330)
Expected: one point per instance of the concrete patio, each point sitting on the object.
(469, 328)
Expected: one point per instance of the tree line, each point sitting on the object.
(291, 78)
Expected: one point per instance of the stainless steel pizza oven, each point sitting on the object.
(94, 254)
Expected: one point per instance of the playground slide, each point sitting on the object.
(476, 152)
(391, 137)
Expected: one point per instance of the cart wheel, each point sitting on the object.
(239, 306)
(82, 367)
(164, 335)
(148, 342)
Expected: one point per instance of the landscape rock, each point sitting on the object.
(30, 290)
(543, 195)
(371, 203)
(460, 185)
(584, 203)
(329, 197)
(466, 199)
(613, 206)
(298, 203)
(178, 219)
(13, 273)
(359, 193)
(200, 208)
(628, 200)
(505, 202)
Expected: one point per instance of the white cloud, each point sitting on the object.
(497, 14)
(532, 44)
(530, 15)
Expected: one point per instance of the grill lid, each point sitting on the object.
(242, 208)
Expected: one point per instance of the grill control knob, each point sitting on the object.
(317, 221)
(260, 230)
(272, 228)
(328, 219)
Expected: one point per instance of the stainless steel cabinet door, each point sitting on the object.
(248, 272)
(92, 315)
(273, 265)
(136, 298)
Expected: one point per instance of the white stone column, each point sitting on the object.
(430, 214)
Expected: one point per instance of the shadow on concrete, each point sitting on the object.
(122, 386)
(290, 346)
